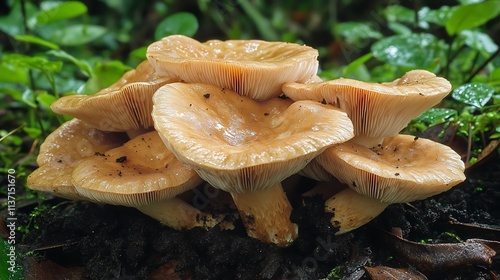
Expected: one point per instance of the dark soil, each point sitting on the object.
(110, 242)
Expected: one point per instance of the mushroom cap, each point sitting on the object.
(125, 105)
(62, 149)
(377, 110)
(403, 168)
(238, 144)
(250, 67)
(139, 172)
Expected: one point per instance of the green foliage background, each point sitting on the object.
(55, 48)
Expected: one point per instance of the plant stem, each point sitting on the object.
(265, 29)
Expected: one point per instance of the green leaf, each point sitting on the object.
(435, 116)
(13, 74)
(33, 132)
(59, 11)
(399, 13)
(479, 41)
(179, 23)
(439, 16)
(32, 62)
(353, 66)
(413, 50)
(139, 53)
(78, 34)
(476, 94)
(45, 99)
(36, 40)
(356, 32)
(104, 74)
(82, 64)
(471, 16)
(495, 75)
(12, 24)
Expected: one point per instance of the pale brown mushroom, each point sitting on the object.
(62, 149)
(124, 106)
(402, 169)
(376, 110)
(252, 68)
(143, 173)
(246, 147)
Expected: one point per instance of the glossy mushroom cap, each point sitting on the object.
(60, 152)
(402, 169)
(250, 67)
(124, 106)
(376, 110)
(139, 172)
(238, 144)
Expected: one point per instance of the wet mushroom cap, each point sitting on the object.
(403, 168)
(123, 106)
(60, 152)
(252, 68)
(139, 172)
(377, 110)
(251, 145)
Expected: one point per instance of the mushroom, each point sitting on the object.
(143, 173)
(376, 110)
(402, 169)
(247, 147)
(62, 149)
(124, 106)
(252, 68)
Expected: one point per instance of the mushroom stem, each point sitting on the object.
(266, 215)
(366, 141)
(352, 210)
(178, 214)
(132, 133)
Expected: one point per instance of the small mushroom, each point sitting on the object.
(143, 173)
(376, 110)
(401, 169)
(62, 149)
(252, 68)
(124, 106)
(247, 147)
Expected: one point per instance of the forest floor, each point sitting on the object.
(83, 240)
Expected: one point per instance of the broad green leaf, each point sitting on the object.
(479, 41)
(356, 32)
(413, 50)
(399, 13)
(12, 24)
(495, 75)
(476, 94)
(139, 53)
(13, 74)
(82, 64)
(28, 98)
(103, 75)
(60, 11)
(179, 23)
(399, 29)
(471, 16)
(14, 93)
(435, 116)
(439, 16)
(33, 132)
(36, 40)
(33, 62)
(78, 34)
(45, 99)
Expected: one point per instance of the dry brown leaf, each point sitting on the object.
(388, 273)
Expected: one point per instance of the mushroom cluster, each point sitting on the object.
(242, 116)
